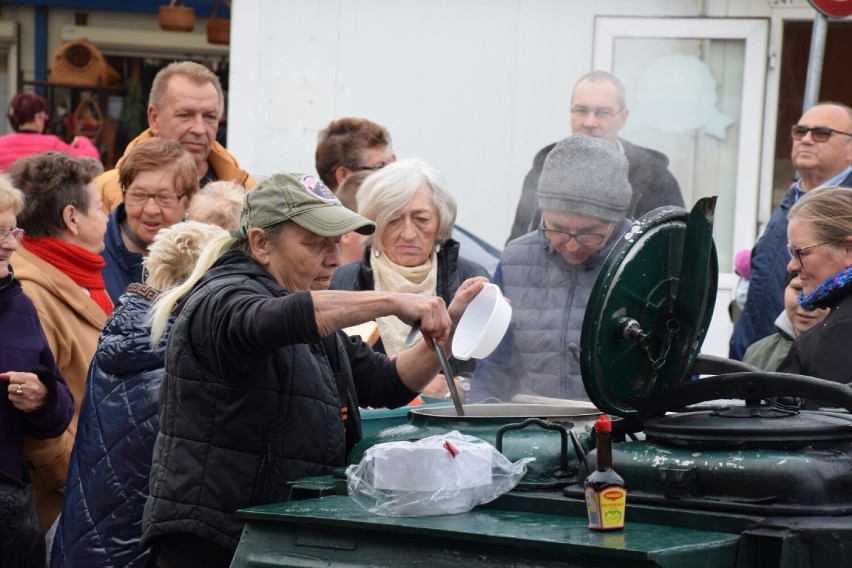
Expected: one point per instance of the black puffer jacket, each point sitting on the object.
(101, 522)
(452, 271)
(823, 350)
(250, 401)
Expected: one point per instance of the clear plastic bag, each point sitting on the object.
(439, 475)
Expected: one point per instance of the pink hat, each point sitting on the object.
(742, 263)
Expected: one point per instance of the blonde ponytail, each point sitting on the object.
(161, 310)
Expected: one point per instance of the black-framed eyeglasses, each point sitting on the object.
(560, 238)
(16, 233)
(797, 252)
(818, 133)
(165, 199)
(602, 113)
(365, 168)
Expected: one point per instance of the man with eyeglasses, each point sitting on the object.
(185, 105)
(822, 154)
(548, 274)
(348, 145)
(599, 109)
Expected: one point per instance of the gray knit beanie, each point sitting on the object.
(586, 176)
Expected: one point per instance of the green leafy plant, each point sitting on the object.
(133, 111)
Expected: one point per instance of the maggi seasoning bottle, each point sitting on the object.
(606, 495)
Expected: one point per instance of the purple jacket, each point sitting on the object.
(24, 348)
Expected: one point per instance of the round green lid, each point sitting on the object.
(650, 307)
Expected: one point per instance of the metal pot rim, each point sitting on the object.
(570, 412)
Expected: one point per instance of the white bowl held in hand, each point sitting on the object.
(483, 324)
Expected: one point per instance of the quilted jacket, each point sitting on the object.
(549, 298)
(108, 474)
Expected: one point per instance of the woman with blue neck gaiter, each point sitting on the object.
(819, 236)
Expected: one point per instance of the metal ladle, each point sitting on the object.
(445, 367)
(448, 375)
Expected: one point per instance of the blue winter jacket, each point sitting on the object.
(101, 522)
(122, 267)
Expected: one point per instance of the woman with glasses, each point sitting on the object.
(28, 117)
(821, 154)
(59, 267)
(411, 250)
(157, 177)
(35, 400)
(819, 237)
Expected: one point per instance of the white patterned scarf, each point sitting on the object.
(391, 277)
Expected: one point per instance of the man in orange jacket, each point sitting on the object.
(185, 105)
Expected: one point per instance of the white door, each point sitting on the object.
(695, 90)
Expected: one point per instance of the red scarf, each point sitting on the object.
(78, 264)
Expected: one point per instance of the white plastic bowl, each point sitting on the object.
(483, 324)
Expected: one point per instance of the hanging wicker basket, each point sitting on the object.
(176, 17)
(219, 28)
(88, 118)
(80, 63)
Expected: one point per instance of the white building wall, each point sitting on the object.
(475, 87)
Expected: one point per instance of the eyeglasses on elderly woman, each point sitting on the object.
(16, 233)
(167, 199)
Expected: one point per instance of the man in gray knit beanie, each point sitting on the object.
(549, 274)
(583, 193)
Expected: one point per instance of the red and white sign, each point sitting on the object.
(833, 8)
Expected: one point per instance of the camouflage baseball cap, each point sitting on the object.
(303, 199)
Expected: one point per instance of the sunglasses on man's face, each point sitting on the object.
(818, 133)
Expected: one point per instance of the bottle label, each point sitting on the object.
(606, 508)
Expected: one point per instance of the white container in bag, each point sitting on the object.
(439, 475)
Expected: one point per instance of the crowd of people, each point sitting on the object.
(179, 338)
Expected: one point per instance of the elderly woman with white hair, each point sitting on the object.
(218, 202)
(411, 250)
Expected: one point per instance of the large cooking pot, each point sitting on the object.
(549, 433)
